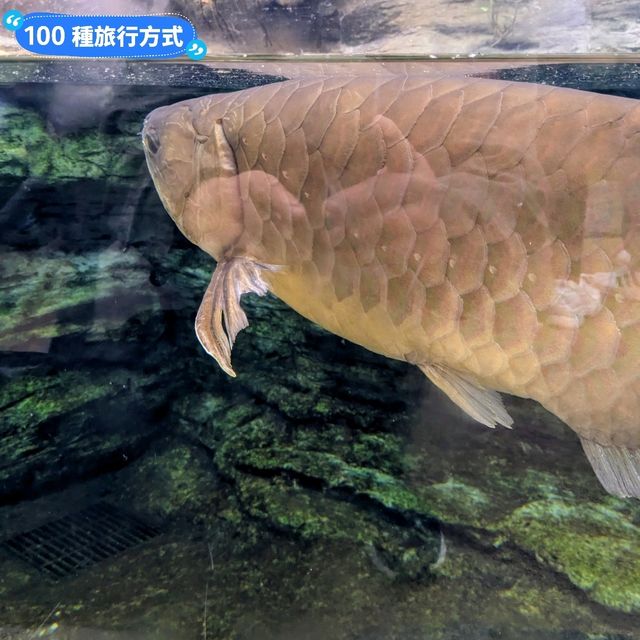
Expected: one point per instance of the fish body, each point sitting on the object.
(486, 231)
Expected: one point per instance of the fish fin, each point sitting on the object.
(617, 468)
(221, 303)
(483, 405)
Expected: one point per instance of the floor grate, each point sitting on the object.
(63, 547)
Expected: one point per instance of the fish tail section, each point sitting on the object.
(617, 468)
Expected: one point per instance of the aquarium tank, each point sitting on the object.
(319, 320)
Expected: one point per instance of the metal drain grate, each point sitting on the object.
(79, 540)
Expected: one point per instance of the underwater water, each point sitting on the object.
(326, 492)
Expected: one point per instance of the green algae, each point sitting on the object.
(264, 584)
(306, 481)
(597, 548)
(29, 150)
(33, 400)
(183, 481)
(59, 426)
(335, 474)
(457, 503)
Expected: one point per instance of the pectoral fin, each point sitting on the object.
(231, 279)
(617, 468)
(481, 404)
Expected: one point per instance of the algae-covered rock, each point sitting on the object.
(311, 490)
(57, 426)
(593, 544)
(29, 150)
(218, 565)
(86, 376)
(179, 481)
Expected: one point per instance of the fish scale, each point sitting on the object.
(462, 264)
(486, 231)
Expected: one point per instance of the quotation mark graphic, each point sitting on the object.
(196, 49)
(12, 20)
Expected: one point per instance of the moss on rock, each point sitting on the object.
(180, 482)
(596, 547)
(29, 150)
(56, 426)
(32, 400)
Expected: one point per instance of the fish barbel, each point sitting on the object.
(486, 231)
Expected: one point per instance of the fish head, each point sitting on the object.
(194, 171)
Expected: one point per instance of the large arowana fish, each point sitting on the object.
(486, 231)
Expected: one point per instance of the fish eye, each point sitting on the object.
(151, 143)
